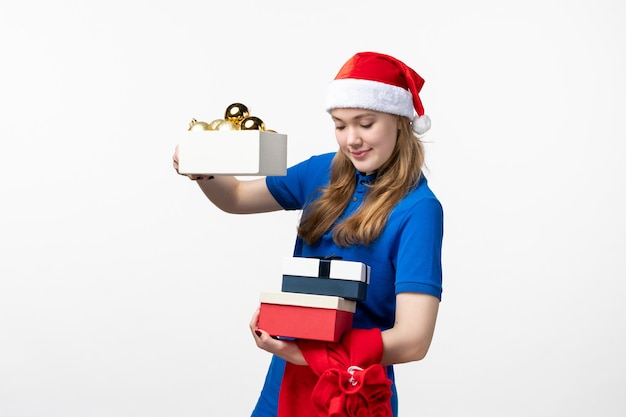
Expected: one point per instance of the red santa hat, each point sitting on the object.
(379, 82)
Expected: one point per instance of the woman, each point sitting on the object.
(368, 202)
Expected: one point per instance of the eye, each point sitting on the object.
(339, 127)
(367, 126)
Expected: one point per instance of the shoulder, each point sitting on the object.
(315, 166)
(421, 200)
(422, 192)
(301, 181)
(321, 160)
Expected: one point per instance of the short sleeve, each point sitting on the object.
(418, 262)
(301, 182)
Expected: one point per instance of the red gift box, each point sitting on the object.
(305, 316)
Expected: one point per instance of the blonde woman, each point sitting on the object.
(367, 202)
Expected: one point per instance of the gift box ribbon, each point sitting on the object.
(324, 266)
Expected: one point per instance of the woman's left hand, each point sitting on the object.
(286, 349)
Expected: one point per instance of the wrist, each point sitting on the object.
(291, 353)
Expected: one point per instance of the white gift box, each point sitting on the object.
(232, 152)
(308, 300)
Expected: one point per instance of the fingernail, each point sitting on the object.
(258, 333)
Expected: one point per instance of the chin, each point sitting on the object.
(363, 165)
(365, 170)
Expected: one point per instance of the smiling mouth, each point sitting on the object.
(359, 154)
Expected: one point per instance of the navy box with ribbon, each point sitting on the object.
(335, 277)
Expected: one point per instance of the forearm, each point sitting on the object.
(290, 352)
(398, 348)
(221, 191)
(410, 337)
(238, 196)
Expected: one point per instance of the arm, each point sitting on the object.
(418, 284)
(409, 339)
(232, 195)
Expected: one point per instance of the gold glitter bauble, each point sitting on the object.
(252, 123)
(197, 125)
(236, 112)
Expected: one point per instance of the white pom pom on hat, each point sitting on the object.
(374, 81)
(421, 124)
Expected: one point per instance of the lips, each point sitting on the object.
(359, 154)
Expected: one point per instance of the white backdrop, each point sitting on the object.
(123, 292)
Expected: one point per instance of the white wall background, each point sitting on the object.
(123, 292)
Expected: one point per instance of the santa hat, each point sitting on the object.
(379, 82)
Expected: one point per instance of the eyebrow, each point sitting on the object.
(357, 117)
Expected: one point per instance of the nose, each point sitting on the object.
(353, 138)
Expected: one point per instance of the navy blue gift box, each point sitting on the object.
(335, 277)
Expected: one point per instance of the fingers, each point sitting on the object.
(286, 349)
(254, 322)
(175, 160)
(261, 337)
(200, 177)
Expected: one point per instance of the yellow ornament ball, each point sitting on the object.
(236, 112)
(216, 123)
(198, 125)
(227, 125)
(252, 123)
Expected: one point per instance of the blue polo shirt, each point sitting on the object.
(406, 257)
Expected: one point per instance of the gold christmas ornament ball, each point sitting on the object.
(227, 125)
(252, 123)
(236, 112)
(198, 125)
(216, 123)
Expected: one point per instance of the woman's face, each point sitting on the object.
(366, 137)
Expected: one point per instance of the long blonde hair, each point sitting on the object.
(394, 180)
